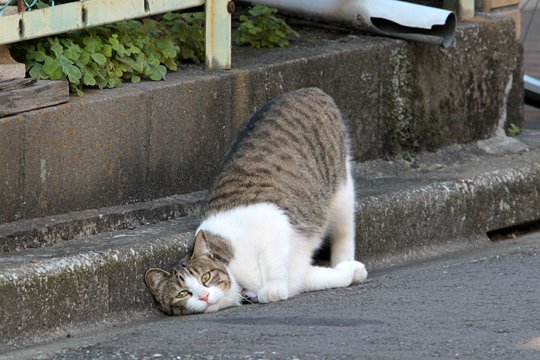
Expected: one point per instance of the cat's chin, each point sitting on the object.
(227, 301)
(213, 308)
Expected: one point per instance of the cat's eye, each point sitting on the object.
(206, 277)
(183, 294)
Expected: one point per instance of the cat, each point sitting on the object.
(285, 185)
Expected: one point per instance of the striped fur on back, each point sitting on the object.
(291, 153)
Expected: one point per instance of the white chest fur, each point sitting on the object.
(254, 232)
(274, 260)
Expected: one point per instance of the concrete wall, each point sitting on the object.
(151, 140)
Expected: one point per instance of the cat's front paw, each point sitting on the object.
(272, 293)
(357, 269)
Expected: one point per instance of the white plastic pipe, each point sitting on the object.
(386, 17)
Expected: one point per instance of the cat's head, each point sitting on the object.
(201, 283)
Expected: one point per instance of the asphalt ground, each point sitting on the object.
(480, 304)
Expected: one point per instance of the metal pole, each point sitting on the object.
(218, 34)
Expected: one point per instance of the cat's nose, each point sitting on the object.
(204, 297)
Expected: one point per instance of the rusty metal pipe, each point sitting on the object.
(385, 17)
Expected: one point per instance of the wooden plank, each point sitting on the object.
(22, 95)
(82, 14)
(495, 4)
(13, 84)
(85, 14)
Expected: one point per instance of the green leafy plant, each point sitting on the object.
(133, 50)
(263, 29)
(107, 55)
(514, 130)
(187, 31)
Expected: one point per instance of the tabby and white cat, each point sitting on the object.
(285, 185)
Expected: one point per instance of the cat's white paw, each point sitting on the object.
(360, 272)
(272, 293)
(356, 268)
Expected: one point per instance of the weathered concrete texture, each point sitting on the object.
(80, 280)
(150, 140)
(438, 203)
(422, 204)
(9, 68)
(37, 232)
(440, 107)
(108, 149)
(421, 97)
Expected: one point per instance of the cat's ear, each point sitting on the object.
(200, 246)
(154, 279)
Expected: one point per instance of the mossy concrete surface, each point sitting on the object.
(43, 290)
(436, 203)
(155, 139)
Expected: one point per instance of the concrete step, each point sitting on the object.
(155, 139)
(31, 233)
(407, 209)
